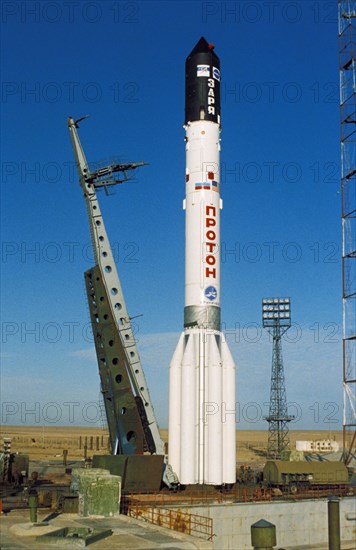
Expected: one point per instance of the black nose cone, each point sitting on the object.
(202, 83)
(202, 46)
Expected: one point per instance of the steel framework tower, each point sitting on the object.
(132, 423)
(347, 50)
(276, 318)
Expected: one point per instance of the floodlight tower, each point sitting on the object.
(276, 318)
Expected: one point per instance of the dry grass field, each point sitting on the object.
(48, 442)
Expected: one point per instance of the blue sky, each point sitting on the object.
(122, 63)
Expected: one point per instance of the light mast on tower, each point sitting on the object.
(276, 318)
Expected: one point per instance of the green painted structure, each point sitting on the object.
(138, 473)
(99, 493)
(279, 472)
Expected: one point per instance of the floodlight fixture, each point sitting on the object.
(276, 312)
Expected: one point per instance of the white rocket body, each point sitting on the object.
(202, 436)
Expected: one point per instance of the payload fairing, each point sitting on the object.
(202, 437)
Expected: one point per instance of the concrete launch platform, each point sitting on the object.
(129, 534)
(231, 528)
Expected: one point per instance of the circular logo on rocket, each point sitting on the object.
(211, 293)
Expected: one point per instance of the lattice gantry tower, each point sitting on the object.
(347, 49)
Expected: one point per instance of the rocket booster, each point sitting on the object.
(202, 370)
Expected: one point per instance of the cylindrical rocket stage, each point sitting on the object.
(202, 371)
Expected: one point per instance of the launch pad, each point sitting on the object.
(199, 517)
(205, 501)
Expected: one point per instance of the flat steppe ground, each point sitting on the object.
(48, 442)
